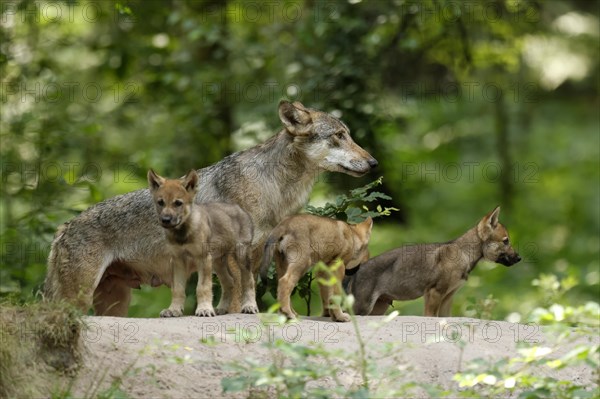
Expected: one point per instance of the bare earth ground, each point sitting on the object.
(166, 358)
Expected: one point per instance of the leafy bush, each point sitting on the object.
(352, 208)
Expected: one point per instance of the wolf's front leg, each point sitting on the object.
(227, 284)
(244, 263)
(433, 301)
(335, 310)
(177, 290)
(446, 307)
(204, 288)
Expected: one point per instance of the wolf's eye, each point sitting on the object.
(160, 202)
(340, 135)
(178, 203)
(505, 241)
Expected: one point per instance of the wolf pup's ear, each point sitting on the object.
(154, 180)
(487, 225)
(190, 181)
(365, 227)
(295, 117)
(493, 217)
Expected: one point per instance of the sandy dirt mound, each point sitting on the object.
(170, 358)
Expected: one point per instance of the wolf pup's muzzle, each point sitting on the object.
(508, 260)
(168, 221)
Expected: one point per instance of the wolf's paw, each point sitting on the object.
(342, 317)
(171, 313)
(205, 312)
(250, 309)
(221, 311)
(290, 314)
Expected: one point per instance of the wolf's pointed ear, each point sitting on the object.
(154, 180)
(493, 217)
(365, 227)
(369, 223)
(487, 225)
(190, 181)
(295, 117)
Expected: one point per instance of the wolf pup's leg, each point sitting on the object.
(365, 298)
(177, 289)
(446, 306)
(244, 262)
(222, 269)
(204, 288)
(336, 312)
(324, 291)
(381, 306)
(287, 282)
(433, 301)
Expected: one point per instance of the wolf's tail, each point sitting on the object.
(268, 251)
(58, 255)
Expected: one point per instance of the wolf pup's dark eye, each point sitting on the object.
(178, 203)
(160, 202)
(340, 135)
(505, 241)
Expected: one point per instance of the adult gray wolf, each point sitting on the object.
(120, 236)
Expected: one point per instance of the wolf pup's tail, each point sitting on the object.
(268, 251)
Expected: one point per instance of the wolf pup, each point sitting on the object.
(301, 241)
(435, 271)
(200, 236)
(270, 181)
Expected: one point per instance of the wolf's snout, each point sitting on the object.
(166, 220)
(509, 260)
(373, 162)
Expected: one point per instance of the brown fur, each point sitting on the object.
(435, 271)
(198, 237)
(301, 241)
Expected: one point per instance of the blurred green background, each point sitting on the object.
(466, 105)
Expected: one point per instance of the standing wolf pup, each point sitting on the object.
(300, 241)
(435, 271)
(200, 236)
(270, 181)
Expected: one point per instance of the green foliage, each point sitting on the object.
(481, 308)
(523, 372)
(553, 287)
(292, 368)
(351, 207)
(530, 374)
